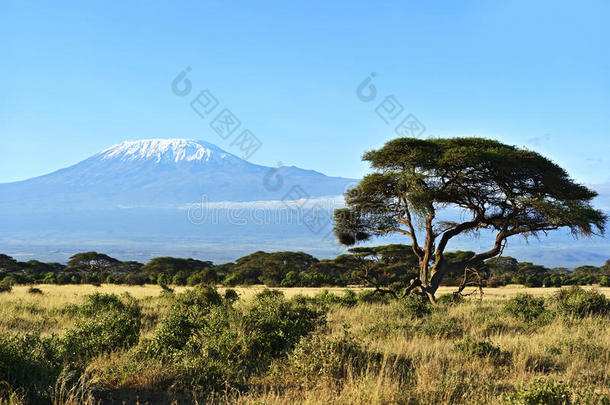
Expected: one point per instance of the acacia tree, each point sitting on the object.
(501, 188)
(91, 261)
(379, 266)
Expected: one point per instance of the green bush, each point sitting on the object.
(526, 307)
(187, 316)
(29, 363)
(275, 325)
(211, 344)
(6, 285)
(370, 297)
(318, 356)
(234, 279)
(349, 298)
(437, 326)
(578, 302)
(230, 296)
(415, 306)
(450, 299)
(482, 349)
(97, 303)
(541, 392)
(34, 290)
(202, 296)
(327, 298)
(106, 323)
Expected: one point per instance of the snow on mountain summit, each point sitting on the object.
(165, 150)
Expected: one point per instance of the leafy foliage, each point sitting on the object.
(91, 261)
(106, 323)
(318, 356)
(6, 285)
(578, 302)
(526, 307)
(541, 391)
(29, 362)
(211, 344)
(415, 306)
(500, 188)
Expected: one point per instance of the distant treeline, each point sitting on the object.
(388, 266)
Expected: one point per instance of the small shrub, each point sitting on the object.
(526, 307)
(578, 302)
(327, 298)
(450, 299)
(230, 296)
(107, 323)
(301, 299)
(370, 297)
(415, 306)
(212, 345)
(319, 356)
(29, 363)
(97, 303)
(172, 335)
(349, 298)
(275, 325)
(34, 290)
(187, 316)
(6, 285)
(483, 349)
(442, 328)
(201, 296)
(385, 328)
(541, 391)
(165, 288)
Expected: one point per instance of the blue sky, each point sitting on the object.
(77, 77)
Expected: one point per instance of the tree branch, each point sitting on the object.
(408, 221)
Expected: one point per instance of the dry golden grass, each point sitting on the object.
(574, 351)
(59, 295)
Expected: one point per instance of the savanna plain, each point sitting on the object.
(113, 344)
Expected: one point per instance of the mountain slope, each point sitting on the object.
(163, 173)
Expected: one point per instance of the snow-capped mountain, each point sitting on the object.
(166, 150)
(163, 173)
(178, 197)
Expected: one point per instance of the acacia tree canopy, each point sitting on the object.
(498, 187)
(91, 261)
